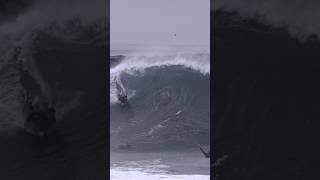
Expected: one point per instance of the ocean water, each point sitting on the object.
(157, 134)
(160, 165)
(55, 52)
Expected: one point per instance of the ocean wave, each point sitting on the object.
(168, 100)
(46, 27)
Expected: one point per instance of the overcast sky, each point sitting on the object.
(156, 22)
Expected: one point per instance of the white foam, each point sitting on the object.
(117, 174)
(178, 112)
(137, 64)
(148, 170)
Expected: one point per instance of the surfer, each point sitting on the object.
(123, 99)
(40, 120)
(206, 154)
(122, 96)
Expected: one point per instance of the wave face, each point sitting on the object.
(39, 55)
(169, 101)
(55, 51)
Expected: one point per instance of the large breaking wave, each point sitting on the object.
(169, 101)
(54, 51)
(29, 46)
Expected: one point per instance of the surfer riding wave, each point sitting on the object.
(121, 94)
(40, 114)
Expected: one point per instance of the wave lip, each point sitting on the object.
(136, 65)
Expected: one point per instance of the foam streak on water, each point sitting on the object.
(149, 170)
(117, 174)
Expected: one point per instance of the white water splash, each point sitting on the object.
(136, 65)
(148, 170)
(117, 174)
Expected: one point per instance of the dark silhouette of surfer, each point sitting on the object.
(123, 99)
(206, 154)
(122, 96)
(41, 119)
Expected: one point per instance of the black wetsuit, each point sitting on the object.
(123, 99)
(36, 120)
(42, 121)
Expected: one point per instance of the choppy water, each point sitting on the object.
(161, 165)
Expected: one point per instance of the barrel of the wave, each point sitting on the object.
(40, 120)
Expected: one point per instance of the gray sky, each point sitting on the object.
(155, 22)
